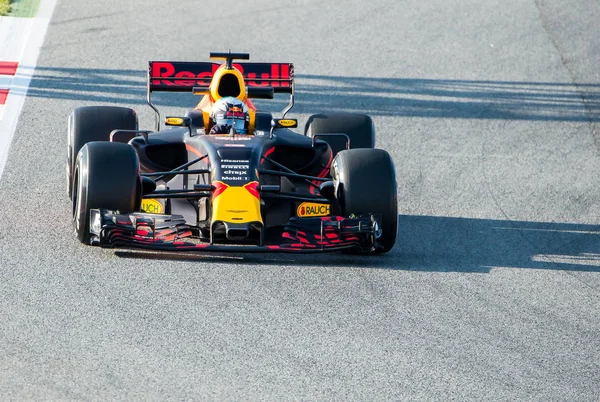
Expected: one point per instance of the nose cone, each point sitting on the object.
(236, 204)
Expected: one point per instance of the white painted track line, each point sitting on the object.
(23, 38)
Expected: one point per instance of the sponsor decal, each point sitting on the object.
(307, 209)
(174, 121)
(152, 206)
(225, 166)
(278, 70)
(235, 111)
(233, 138)
(166, 74)
(169, 70)
(235, 172)
(287, 122)
(235, 169)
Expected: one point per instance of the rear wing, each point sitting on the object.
(182, 76)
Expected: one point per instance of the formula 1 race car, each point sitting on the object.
(270, 189)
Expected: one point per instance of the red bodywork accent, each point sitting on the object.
(270, 151)
(252, 188)
(323, 173)
(193, 150)
(219, 188)
(197, 153)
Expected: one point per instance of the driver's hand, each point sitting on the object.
(221, 129)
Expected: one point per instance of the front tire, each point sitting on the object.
(106, 175)
(365, 181)
(94, 123)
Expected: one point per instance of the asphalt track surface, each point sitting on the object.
(491, 111)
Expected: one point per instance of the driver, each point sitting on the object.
(229, 112)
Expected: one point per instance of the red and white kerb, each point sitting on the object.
(7, 69)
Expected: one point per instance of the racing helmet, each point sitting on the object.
(231, 112)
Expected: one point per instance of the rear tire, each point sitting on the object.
(358, 127)
(94, 123)
(365, 181)
(106, 175)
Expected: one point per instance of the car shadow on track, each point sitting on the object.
(436, 98)
(446, 244)
(431, 243)
(442, 98)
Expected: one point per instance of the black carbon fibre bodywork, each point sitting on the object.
(184, 162)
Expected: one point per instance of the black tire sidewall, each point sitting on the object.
(106, 175)
(365, 181)
(81, 220)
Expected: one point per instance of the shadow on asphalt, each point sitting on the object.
(430, 243)
(439, 98)
(443, 244)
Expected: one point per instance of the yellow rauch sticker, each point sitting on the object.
(312, 209)
(152, 206)
(287, 122)
(174, 121)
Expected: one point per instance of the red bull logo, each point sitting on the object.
(235, 112)
(183, 74)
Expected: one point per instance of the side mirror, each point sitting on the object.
(327, 189)
(260, 92)
(178, 121)
(148, 185)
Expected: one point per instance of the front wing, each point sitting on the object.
(171, 233)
